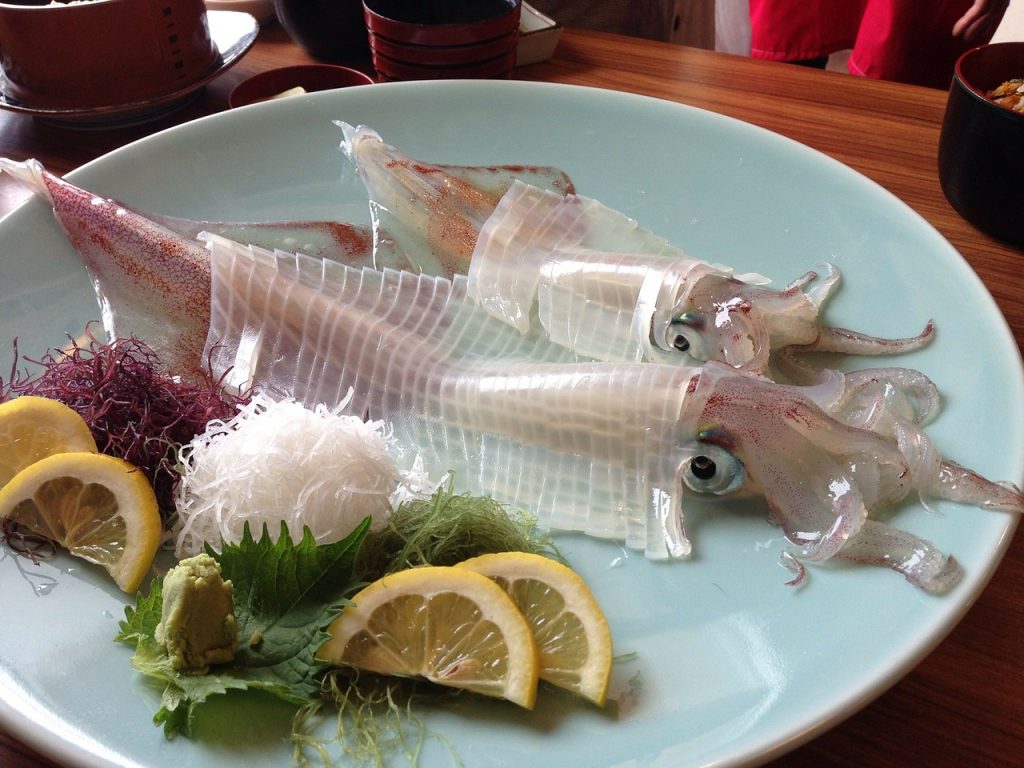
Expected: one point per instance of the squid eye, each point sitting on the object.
(712, 470)
(677, 337)
(681, 334)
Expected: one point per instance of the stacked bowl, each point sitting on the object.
(434, 39)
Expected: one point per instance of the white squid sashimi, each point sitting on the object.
(150, 274)
(434, 212)
(152, 278)
(560, 251)
(607, 448)
(605, 287)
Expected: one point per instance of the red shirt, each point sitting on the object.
(909, 41)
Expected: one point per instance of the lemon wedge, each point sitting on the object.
(571, 631)
(98, 507)
(449, 625)
(32, 428)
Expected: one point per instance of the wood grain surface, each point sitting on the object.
(964, 704)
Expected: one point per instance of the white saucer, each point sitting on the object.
(263, 10)
(233, 33)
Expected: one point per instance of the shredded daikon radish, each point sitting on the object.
(279, 461)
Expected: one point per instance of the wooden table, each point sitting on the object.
(963, 705)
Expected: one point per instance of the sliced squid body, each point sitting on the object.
(152, 278)
(150, 274)
(610, 449)
(596, 281)
(432, 212)
(602, 285)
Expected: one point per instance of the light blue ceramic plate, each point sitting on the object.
(731, 666)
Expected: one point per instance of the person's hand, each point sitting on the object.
(979, 23)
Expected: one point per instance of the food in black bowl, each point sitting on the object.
(1009, 94)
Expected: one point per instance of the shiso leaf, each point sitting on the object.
(285, 594)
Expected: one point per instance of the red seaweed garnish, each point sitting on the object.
(25, 543)
(135, 411)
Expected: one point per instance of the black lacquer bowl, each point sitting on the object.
(329, 30)
(981, 149)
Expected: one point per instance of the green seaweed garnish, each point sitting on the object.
(446, 529)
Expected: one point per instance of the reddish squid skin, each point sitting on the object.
(152, 277)
(150, 281)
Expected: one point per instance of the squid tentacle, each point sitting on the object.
(843, 340)
(849, 342)
(819, 291)
(960, 484)
(918, 560)
(872, 395)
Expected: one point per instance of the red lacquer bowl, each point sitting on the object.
(438, 39)
(309, 77)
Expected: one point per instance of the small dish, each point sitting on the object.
(261, 10)
(441, 23)
(538, 36)
(308, 77)
(392, 70)
(232, 33)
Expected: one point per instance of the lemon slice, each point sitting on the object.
(98, 507)
(572, 634)
(448, 625)
(32, 428)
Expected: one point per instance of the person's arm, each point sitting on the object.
(979, 23)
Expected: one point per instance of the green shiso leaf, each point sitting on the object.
(140, 622)
(285, 594)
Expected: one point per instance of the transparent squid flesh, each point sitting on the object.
(607, 448)
(152, 279)
(433, 213)
(151, 275)
(586, 446)
(531, 230)
(149, 281)
(605, 286)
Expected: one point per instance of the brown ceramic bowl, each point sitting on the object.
(101, 53)
(435, 39)
(309, 77)
(981, 148)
